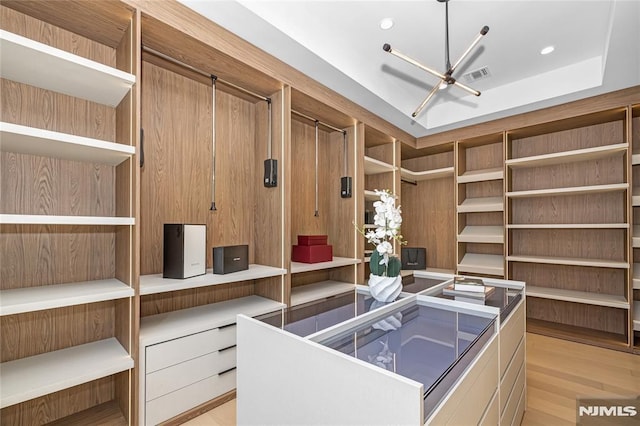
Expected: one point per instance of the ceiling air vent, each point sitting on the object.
(476, 75)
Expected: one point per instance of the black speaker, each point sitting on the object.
(414, 257)
(270, 173)
(345, 187)
(229, 259)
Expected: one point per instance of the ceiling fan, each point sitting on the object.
(446, 79)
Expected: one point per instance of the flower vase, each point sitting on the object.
(385, 289)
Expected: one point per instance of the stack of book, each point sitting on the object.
(466, 289)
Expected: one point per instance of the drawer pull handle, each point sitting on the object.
(226, 349)
(226, 326)
(226, 371)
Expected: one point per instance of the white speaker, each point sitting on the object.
(184, 250)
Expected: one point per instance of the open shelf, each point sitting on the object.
(107, 413)
(32, 141)
(41, 219)
(317, 291)
(30, 299)
(577, 334)
(569, 156)
(481, 175)
(636, 316)
(635, 159)
(584, 297)
(599, 263)
(636, 276)
(482, 234)
(374, 167)
(636, 236)
(297, 267)
(490, 264)
(426, 175)
(568, 226)
(591, 189)
(153, 284)
(39, 375)
(635, 197)
(37, 64)
(370, 195)
(485, 204)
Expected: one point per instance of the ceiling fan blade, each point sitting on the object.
(482, 33)
(427, 99)
(387, 48)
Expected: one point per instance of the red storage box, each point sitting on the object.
(312, 254)
(312, 240)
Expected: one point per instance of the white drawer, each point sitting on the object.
(177, 376)
(510, 376)
(511, 333)
(492, 415)
(174, 403)
(175, 351)
(513, 402)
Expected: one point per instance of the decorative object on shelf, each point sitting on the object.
(470, 290)
(312, 249)
(385, 282)
(414, 258)
(184, 250)
(446, 79)
(230, 259)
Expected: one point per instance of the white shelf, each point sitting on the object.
(481, 175)
(578, 297)
(635, 197)
(427, 174)
(569, 156)
(317, 291)
(592, 189)
(32, 141)
(37, 64)
(41, 219)
(482, 234)
(635, 159)
(174, 324)
(29, 299)
(297, 267)
(369, 226)
(636, 276)
(28, 378)
(598, 263)
(486, 204)
(370, 195)
(374, 167)
(490, 264)
(636, 316)
(152, 284)
(569, 226)
(635, 239)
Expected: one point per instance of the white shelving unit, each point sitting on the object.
(485, 204)
(599, 263)
(568, 226)
(490, 264)
(39, 375)
(482, 234)
(153, 284)
(53, 69)
(298, 267)
(481, 175)
(374, 167)
(569, 156)
(30, 299)
(583, 297)
(33, 141)
(320, 290)
(37, 219)
(427, 174)
(591, 189)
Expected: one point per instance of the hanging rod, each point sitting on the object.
(320, 122)
(206, 74)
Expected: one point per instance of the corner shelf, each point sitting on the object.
(481, 175)
(374, 167)
(33, 141)
(427, 175)
(53, 69)
(319, 290)
(490, 264)
(569, 156)
(30, 299)
(298, 267)
(591, 189)
(41, 219)
(39, 375)
(598, 263)
(482, 234)
(575, 296)
(485, 204)
(153, 284)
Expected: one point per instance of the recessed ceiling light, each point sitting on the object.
(386, 23)
(547, 50)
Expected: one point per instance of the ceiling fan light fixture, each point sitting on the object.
(547, 50)
(386, 23)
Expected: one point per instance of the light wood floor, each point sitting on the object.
(557, 372)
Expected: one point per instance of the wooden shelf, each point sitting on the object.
(583, 297)
(482, 234)
(32, 141)
(592, 189)
(174, 324)
(487, 204)
(297, 267)
(427, 175)
(37, 64)
(318, 291)
(153, 284)
(39, 375)
(41, 219)
(636, 316)
(577, 334)
(370, 195)
(490, 264)
(569, 156)
(374, 167)
(107, 413)
(598, 263)
(636, 276)
(481, 175)
(30, 299)
(568, 226)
